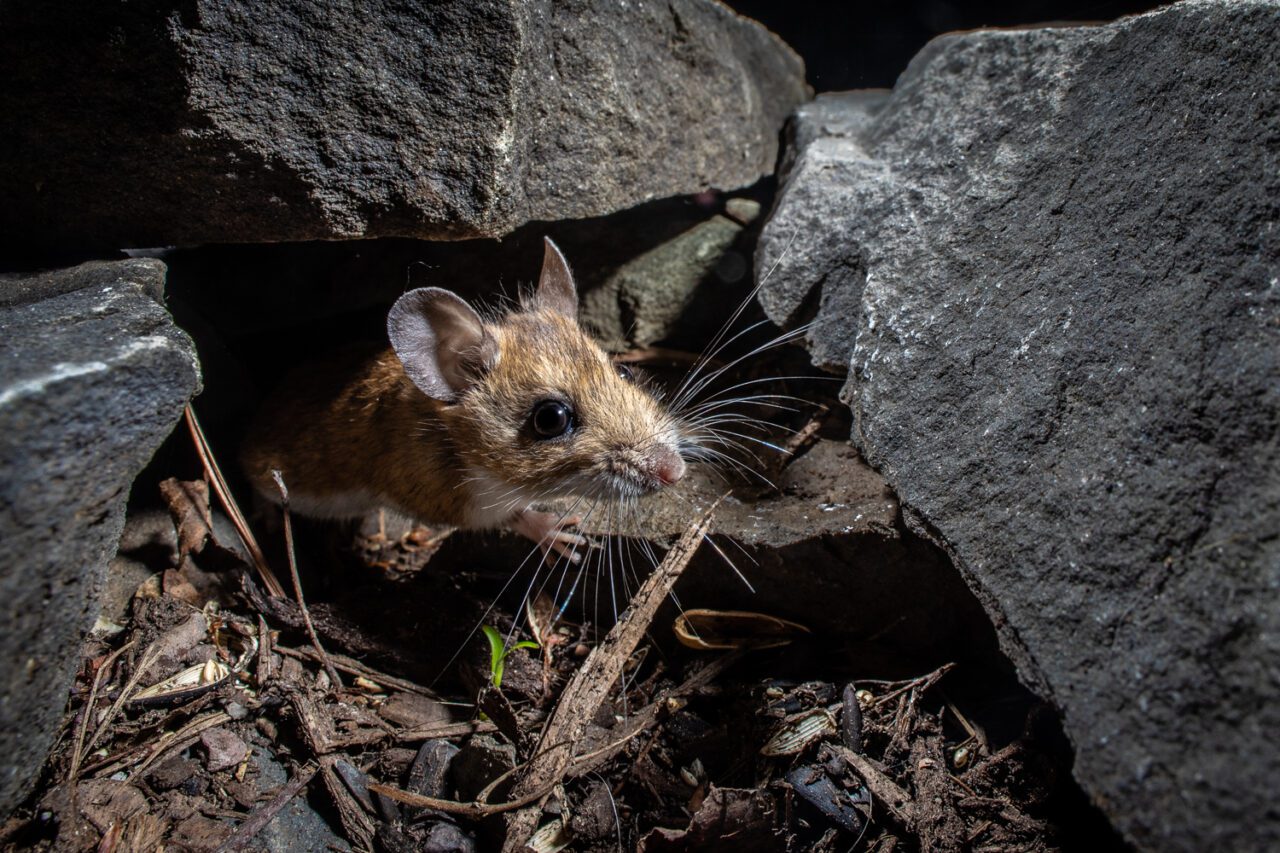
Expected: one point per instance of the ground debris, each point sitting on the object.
(216, 721)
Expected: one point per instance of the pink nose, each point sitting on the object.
(668, 467)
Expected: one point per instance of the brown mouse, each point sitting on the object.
(468, 421)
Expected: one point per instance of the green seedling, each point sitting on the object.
(498, 652)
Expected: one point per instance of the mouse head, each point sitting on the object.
(532, 404)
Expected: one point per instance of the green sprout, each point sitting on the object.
(498, 652)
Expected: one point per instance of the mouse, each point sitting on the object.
(470, 420)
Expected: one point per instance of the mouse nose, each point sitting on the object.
(667, 466)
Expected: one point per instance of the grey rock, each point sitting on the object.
(482, 760)
(91, 381)
(223, 748)
(298, 826)
(652, 296)
(148, 544)
(830, 532)
(807, 272)
(1051, 262)
(252, 122)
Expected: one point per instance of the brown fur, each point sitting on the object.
(355, 433)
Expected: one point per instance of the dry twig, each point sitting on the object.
(214, 473)
(334, 678)
(77, 755)
(351, 666)
(591, 684)
(257, 821)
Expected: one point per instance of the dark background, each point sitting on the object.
(867, 43)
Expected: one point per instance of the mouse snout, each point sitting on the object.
(666, 466)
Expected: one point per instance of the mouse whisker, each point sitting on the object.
(737, 446)
(715, 345)
(695, 388)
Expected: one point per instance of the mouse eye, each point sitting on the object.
(625, 372)
(551, 419)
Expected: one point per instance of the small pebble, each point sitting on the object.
(224, 747)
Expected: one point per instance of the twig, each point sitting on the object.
(591, 684)
(144, 663)
(445, 731)
(924, 682)
(475, 810)
(77, 756)
(895, 800)
(257, 821)
(648, 716)
(266, 672)
(183, 738)
(334, 678)
(974, 732)
(354, 667)
(214, 473)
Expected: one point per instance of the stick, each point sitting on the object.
(334, 678)
(354, 667)
(583, 764)
(895, 800)
(257, 821)
(144, 663)
(77, 757)
(591, 684)
(214, 475)
(444, 731)
(475, 811)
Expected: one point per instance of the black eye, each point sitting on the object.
(551, 419)
(625, 372)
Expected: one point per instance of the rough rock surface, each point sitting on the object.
(1051, 263)
(91, 381)
(687, 281)
(830, 532)
(166, 123)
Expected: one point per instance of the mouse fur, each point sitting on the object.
(440, 426)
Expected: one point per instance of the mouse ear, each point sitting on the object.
(556, 290)
(441, 341)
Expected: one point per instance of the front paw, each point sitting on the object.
(550, 532)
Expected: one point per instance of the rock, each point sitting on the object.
(248, 122)
(298, 826)
(91, 381)
(804, 263)
(223, 748)
(1051, 264)
(830, 533)
(412, 710)
(173, 772)
(447, 838)
(653, 296)
(482, 760)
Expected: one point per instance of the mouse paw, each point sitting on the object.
(549, 531)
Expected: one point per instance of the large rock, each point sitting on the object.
(177, 123)
(93, 376)
(829, 532)
(1051, 262)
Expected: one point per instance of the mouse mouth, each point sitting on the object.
(648, 474)
(635, 484)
